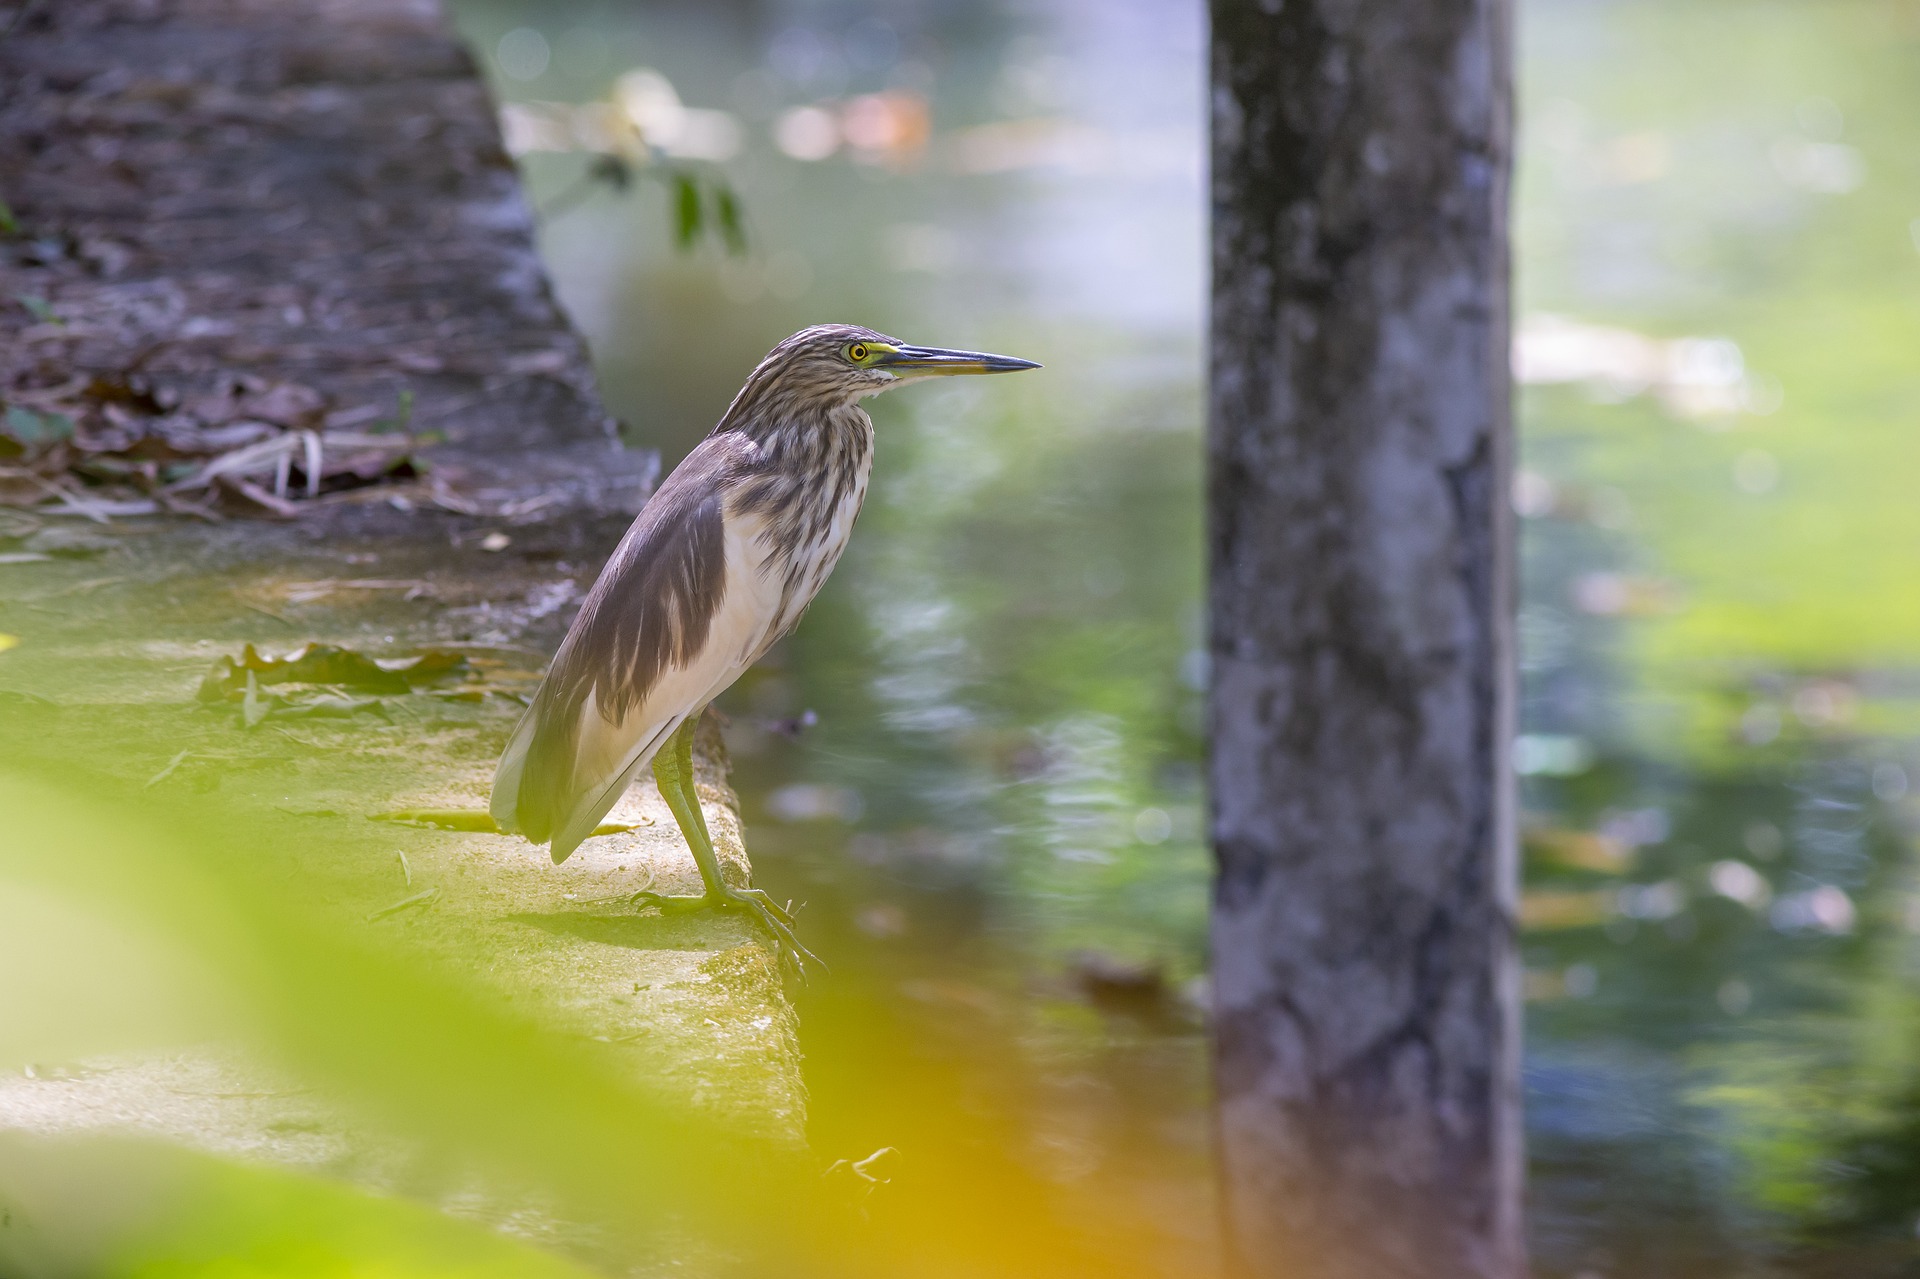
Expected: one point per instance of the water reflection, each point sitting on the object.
(978, 760)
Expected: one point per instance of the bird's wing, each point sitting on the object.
(674, 618)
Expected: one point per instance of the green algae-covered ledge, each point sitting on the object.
(696, 1000)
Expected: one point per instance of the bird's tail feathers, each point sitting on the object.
(592, 804)
(505, 803)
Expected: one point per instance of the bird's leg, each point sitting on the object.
(673, 771)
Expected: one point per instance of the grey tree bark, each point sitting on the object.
(1365, 983)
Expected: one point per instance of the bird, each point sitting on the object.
(718, 566)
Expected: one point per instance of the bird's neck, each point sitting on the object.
(806, 480)
(809, 439)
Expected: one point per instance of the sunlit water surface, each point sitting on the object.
(978, 762)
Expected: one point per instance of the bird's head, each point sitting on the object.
(835, 364)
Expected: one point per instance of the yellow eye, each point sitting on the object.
(857, 352)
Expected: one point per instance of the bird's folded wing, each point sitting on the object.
(673, 619)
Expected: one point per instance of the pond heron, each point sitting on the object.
(719, 565)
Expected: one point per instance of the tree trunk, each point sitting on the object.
(1365, 982)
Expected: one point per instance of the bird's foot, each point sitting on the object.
(775, 918)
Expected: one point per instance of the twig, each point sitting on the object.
(310, 440)
(253, 707)
(72, 500)
(418, 899)
(258, 496)
(613, 171)
(167, 772)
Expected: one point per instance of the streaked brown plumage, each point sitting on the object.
(720, 564)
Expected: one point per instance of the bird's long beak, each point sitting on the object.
(934, 361)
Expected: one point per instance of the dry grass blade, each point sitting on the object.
(167, 772)
(274, 456)
(95, 511)
(405, 903)
(259, 497)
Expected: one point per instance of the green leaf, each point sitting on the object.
(31, 428)
(9, 224)
(23, 424)
(726, 208)
(39, 307)
(402, 417)
(687, 213)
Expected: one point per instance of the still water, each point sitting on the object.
(978, 762)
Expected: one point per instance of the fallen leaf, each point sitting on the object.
(469, 819)
(332, 664)
(38, 308)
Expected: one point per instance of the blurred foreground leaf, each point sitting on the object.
(103, 1206)
(410, 1050)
